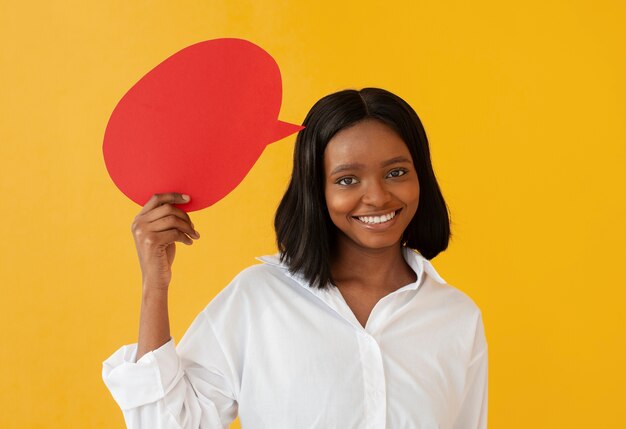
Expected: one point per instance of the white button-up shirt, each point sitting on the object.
(281, 354)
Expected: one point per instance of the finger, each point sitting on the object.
(164, 238)
(166, 210)
(160, 199)
(181, 238)
(142, 228)
(172, 222)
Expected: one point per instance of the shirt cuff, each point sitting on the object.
(148, 380)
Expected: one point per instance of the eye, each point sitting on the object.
(346, 181)
(397, 172)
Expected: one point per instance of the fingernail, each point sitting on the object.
(185, 197)
(197, 233)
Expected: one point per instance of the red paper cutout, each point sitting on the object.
(196, 123)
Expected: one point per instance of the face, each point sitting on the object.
(371, 185)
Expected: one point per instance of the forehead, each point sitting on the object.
(369, 142)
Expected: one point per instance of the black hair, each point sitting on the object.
(305, 233)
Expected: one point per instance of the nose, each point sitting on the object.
(376, 194)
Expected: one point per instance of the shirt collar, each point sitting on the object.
(416, 261)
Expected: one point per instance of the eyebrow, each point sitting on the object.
(358, 166)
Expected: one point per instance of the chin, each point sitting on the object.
(373, 245)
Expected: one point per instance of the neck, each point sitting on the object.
(376, 270)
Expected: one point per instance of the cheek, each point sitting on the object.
(416, 195)
(339, 204)
(412, 196)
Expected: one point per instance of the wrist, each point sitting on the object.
(153, 291)
(154, 281)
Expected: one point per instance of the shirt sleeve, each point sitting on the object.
(473, 409)
(189, 386)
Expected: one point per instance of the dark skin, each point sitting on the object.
(364, 278)
(156, 229)
(372, 193)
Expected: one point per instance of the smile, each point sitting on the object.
(374, 220)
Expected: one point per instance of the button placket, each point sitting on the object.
(374, 385)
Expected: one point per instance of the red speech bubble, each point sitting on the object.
(196, 123)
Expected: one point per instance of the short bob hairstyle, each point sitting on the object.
(305, 233)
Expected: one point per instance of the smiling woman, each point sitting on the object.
(344, 132)
(371, 186)
(349, 326)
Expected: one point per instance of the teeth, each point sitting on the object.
(377, 219)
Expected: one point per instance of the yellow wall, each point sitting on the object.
(524, 106)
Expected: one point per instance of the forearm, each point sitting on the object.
(154, 325)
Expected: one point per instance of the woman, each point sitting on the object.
(348, 327)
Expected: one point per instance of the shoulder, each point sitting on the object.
(259, 280)
(452, 296)
(253, 289)
(436, 292)
(450, 300)
(457, 315)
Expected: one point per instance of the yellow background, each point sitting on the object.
(524, 106)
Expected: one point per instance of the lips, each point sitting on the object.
(377, 219)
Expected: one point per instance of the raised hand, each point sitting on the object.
(156, 229)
